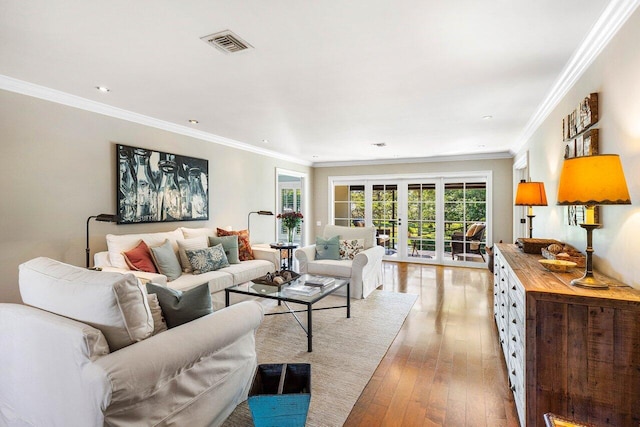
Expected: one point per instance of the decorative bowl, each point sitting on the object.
(557, 265)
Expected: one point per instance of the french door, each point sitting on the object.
(421, 219)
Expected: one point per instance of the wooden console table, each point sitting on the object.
(571, 351)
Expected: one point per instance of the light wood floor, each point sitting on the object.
(445, 367)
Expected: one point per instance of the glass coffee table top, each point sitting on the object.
(286, 291)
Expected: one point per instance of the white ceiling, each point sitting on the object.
(326, 79)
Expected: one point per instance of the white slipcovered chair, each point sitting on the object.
(365, 270)
(82, 353)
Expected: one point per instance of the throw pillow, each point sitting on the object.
(159, 325)
(230, 245)
(328, 248)
(139, 258)
(244, 247)
(182, 307)
(110, 302)
(472, 230)
(349, 248)
(209, 259)
(166, 260)
(189, 244)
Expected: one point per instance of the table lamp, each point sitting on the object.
(531, 194)
(590, 181)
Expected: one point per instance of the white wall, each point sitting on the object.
(57, 167)
(615, 75)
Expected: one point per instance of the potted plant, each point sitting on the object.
(291, 220)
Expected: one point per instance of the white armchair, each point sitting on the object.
(56, 371)
(365, 270)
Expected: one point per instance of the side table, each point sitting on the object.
(286, 262)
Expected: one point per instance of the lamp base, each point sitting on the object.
(589, 282)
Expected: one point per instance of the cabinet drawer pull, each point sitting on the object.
(513, 388)
(514, 305)
(513, 354)
(514, 321)
(513, 287)
(513, 372)
(514, 339)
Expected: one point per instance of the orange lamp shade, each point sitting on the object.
(531, 194)
(593, 180)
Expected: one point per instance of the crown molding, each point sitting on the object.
(59, 97)
(434, 159)
(612, 19)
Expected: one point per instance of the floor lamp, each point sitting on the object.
(531, 194)
(590, 181)
(256, 212)
(101, 218)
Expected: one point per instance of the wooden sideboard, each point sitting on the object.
(571, 351)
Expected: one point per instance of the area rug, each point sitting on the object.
(345, 354)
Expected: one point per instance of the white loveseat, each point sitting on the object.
(365, 270)
(267, 260)
(107, 369)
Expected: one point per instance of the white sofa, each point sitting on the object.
(365, 270)
(56, 370)
(267, 260)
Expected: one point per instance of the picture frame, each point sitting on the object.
(581, 140)
(583, 117)
(155, 186)
(590, 142)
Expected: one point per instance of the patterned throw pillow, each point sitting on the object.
(209, 259)
(350, 248)
(200, 242)
(244, 247)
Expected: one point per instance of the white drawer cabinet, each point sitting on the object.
(570, 351)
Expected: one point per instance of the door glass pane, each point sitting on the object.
(349, 205)
(465, 220)
(421, 225)
(384, 216)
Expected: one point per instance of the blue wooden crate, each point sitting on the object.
(280, 395)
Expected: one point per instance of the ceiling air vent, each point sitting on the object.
(227, 42)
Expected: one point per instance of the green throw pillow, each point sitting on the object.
(182, 307)
(166, 260)
(230, 245)
(328, 248)
(205, 260)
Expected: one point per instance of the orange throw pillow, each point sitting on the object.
(139, 258)
(244, 247)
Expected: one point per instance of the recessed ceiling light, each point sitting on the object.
(380, 144)
(103, 89)
(481, 145)
(487, 117)
(265, 141)
(314, 157)
(193, 121)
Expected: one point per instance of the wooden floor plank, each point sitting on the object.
(445, 367)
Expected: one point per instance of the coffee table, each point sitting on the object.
(281, 295)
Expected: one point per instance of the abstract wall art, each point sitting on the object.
(154, 186)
